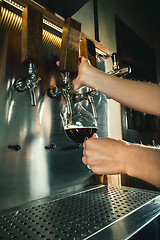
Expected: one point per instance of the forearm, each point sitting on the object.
(140, 96)
(143, 162)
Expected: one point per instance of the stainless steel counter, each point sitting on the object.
(100, 212)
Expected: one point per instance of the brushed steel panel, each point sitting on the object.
(36, 170)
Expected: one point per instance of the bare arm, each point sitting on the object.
(111, 156)
(141, 96)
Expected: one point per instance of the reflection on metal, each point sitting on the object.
(35, 171)
(38, 185)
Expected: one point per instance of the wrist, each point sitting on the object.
(128, 160)
(88, 76)
(124, 153)
(138, 157)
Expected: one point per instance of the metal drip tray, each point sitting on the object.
(78, 216)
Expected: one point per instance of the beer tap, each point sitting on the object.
(64, 90)
(68, 59)
(30, 82)
(116, 70)
(31, 51)
(87, 50)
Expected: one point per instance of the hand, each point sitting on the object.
(105, 155)
(85, 74)
(83, 77)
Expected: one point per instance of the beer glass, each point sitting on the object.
(79, 119)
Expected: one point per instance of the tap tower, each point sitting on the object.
(31, 50)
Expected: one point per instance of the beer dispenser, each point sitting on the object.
(68, 59)
(31, 51)
(78, 113)
(83, 123)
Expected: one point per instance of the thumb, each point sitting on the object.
(83, 59)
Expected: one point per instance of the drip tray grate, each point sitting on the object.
(74, 217)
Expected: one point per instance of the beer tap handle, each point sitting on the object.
(87, 50)
(54, 92)
(115, 61)
(122, 72)
(116, 70)
(68, 59)
(70, 46)
(31, 50)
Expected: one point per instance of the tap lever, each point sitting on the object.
(87, 50)
(115, 61)
(70, 46)
(30, 82)
(120, 72)
(116, 70)
(54, 92)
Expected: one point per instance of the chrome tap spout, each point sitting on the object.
(64, 90)
(66, 96)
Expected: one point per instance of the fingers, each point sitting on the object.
(84, 160)
(78, 80)
(95, 135)
(57, 63)
(80, 58)
(87, 151)
(83, 59)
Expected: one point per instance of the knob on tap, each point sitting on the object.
(54, 92)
